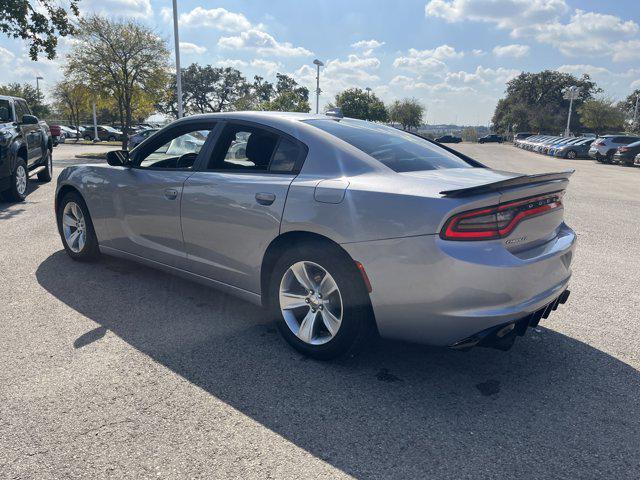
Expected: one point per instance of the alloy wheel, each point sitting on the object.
(571, 155)
(311, 302)
(74, 227)
(21, 180)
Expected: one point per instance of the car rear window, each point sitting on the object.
(398, 150)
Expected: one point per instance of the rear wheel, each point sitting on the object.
(320, 302)
(17, 192)
(46, 174)
(609, 157)
(76, 228)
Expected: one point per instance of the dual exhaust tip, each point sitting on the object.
(502, 337)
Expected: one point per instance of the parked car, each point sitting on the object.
(578, 149)
(105, 133)
(57, 135)
(335, 225)
(137, 138)
(25, 148)
(490, 138)
(448, 139)
(636, 162)
(70, 133)
(522, 135)
(626, 155)
(604, 148)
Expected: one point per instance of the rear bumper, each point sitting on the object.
(438, 292)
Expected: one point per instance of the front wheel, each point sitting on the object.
(76, 228)
(45, 175)
(17, 191)
(320, 302)
(571, 155)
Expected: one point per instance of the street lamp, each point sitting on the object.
(635, 111)
(571, 94)
(368, 89)
(177, 47)
(318, 64)
(38, 78)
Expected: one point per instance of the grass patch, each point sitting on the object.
(93, 155)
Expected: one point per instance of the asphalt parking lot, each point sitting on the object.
(113, 370)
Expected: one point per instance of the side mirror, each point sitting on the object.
(118, 158)
(29, 120)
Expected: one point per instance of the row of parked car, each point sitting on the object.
(61, 133)
(621, 149)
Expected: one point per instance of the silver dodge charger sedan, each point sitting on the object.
(339, 227)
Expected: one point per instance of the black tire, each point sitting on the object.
(609, 157)
(112, 138)
(46, 175)
(90, 250)
(15, 193)
(571, 155)
(357, 316)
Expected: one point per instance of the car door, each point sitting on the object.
(147, 195)
(232, 207)
(30, 133)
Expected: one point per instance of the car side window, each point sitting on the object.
(5, 111)
(20, 111)
(177, 151)
(243, 148)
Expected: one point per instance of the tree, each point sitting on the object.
(470, 134)
(289, 96)
(72, 100)
(356, 103)
(32, 96)
(40, 25)
(123, 60)
(628, 106)
(601, 116)
(407, 112)
(534, 101)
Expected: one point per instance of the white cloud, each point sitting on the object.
(477, 52)
(233, 63)
(427, 61)
(271, 68)
(483, 76)
(510, 14)
(217, 18)
(626, 51)
(514, 50)
(578, 70)
(187, 47)
(589, 33)
(119, 8)
(5, 56)
(263, 43)
(367, 46)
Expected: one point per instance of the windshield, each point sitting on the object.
(398, 150)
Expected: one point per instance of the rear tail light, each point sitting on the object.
(600, 141)
(500, 220)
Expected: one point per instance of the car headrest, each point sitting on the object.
(259, 149)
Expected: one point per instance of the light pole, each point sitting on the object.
(635, 111)
(38, 78)
(368, 89)
(571, 94)
(176, 37)
(318, 64)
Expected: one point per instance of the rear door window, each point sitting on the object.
(396, 149)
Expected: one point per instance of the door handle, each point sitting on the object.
(265, 198)
(171, 193)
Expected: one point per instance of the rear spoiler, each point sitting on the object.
(509, 183)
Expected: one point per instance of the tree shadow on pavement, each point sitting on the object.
(552, 407)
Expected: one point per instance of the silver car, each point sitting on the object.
(338, 227)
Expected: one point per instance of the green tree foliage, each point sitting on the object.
(628, 106)
(34, 99)
(601, 115)
(534, 102)
(356, 103)
(407, 112)
(470, 134)
(120, 60)
(40, 26)
(72, 100)
(289, 96)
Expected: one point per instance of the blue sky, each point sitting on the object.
(453, 55)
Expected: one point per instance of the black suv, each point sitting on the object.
(448, 139)
(25, 148)
(105, 133)
(490, 138)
